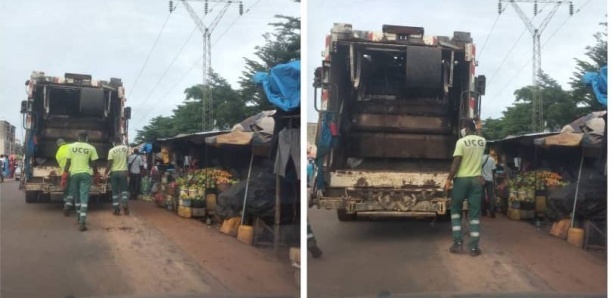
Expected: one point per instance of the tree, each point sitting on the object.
(597, 57)
(228, 104)
(559, 110)
(281, 46)
(158, 127)
(229, 108)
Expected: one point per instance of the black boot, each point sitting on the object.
(474, 252)
(457, 247)
(126, 211)
(82, 227)
(116, 211)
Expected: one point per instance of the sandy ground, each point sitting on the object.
(150, 252)
(406, 256)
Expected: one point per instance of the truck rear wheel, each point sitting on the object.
(344, 216)
(31, 197)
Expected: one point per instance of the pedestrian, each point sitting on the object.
(488, 197)
(2, 162)
(61, 156)
(117, 166)
(136, 168)
(466, 178)
(80, 164)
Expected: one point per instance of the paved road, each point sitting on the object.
(43, 254)
(366, 258)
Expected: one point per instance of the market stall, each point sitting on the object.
(583, 200)
(522, 176)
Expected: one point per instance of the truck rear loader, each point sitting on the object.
(61, 107)
(389, 117)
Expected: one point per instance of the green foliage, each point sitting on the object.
(597, 57)
(230, 106)
(560, 106)
(281, 46)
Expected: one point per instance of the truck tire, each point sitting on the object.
(344, 216)
(31, 197)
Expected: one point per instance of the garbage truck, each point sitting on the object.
(61, 107)
(391, 103)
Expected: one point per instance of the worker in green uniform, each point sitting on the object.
(61, 155)
(117, 166)
(80, 164)
(466, 178)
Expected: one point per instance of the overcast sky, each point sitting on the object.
(112, 38)
(440, 17)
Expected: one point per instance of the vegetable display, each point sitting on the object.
(203, 179)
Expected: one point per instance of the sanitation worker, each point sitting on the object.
(61, 156)
(80, 166)
(117, 166)
(467, 181)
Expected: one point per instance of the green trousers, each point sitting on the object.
(80, 184)
(466, 188)
(68, 196)
(119, 186)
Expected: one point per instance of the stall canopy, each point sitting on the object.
(257, 130)
(586, 131)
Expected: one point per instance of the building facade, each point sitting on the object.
(7, 138)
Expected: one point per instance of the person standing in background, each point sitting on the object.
(488, 196)
(136, 169)
(2, 162)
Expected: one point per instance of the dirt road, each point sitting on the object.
(368, 257)
(150, 252)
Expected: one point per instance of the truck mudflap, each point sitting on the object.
(386, 194)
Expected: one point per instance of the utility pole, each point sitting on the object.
(208, 119)
(537, 117)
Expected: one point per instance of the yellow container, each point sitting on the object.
(575, 236)
(560, 228)
(230, 226)
(245, 234)
(540, 204)
(514, 214)
(184, 212)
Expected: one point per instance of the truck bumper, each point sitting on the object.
(55, 189)
(382, 193)
(373, 207)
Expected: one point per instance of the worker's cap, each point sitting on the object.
(60, 142)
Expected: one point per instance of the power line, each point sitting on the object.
(543, 45)
(149, 55)
(507, 56)
(565, 21)
(200, 59)
(489, 35)
(172, 62)
(512, 48)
